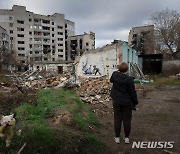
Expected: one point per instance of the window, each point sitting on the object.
(52, 23)
(20, 42)
(65, 25)
(60, 45)
(45, 28)
(60, 27)
(30, 46)
(10, 18)
(60, 33)
(21, 55)
(53, 59)
(87, 44)
(30, 19)
(134, 35)
(46, 21)
(11, 38)
(52, 29)
(21, 48)
(36, 52)
(10, 24)
(20, 35)
(36, 20)
(60, 39)
(45, 59)
(60, 56)
(20, 29)
(52, 41)
(52, 35)
(20, 21)
(60, 50)
(11, 31)
(30, 52)
(30, 33)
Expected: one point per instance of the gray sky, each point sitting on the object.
(109, 19)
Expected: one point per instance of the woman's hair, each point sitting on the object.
(123, 67)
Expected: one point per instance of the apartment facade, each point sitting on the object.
(78, 44)
(4, 39)
(142, 39)
(36, 38)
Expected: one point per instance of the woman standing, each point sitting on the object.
(124, 98)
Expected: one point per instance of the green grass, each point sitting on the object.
(36, 132)
(94, 144)
(166, 81)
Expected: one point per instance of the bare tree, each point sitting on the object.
(167, 26)
(6, 57)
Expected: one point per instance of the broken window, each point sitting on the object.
(20, 21)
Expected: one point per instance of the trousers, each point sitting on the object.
(122, 114)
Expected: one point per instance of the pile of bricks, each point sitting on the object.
(94, 90)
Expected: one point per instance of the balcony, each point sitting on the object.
(38, 48)
(46, 42)
(37, 42)
(37, 36)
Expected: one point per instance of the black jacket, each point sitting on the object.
(123, 89)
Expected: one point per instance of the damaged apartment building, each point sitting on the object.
(78, 44)
(4, 47)
(40, 40)
(143, 40)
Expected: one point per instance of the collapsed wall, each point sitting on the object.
(103, 59)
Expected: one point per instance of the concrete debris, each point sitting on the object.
(30, 81)
(95, 90)
(90, 90)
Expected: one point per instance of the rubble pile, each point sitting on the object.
(95, 91)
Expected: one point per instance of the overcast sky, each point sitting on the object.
(109, 19)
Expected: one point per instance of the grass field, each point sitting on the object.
(39, 135)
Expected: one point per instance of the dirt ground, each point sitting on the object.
(157, 119)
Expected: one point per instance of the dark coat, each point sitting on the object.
(123, 89)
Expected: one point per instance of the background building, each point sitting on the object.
(35, 37)
(4, 48)
(142, 39)
(4, 39)
(78, 44)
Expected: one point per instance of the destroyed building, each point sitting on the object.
(106, 59)
(37, 38)
(4, 38)
(78, 44)
(142, 39)
(4, 46)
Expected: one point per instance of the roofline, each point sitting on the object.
(143, 26)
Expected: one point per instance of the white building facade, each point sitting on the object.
(35, 37)
(106, 59)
